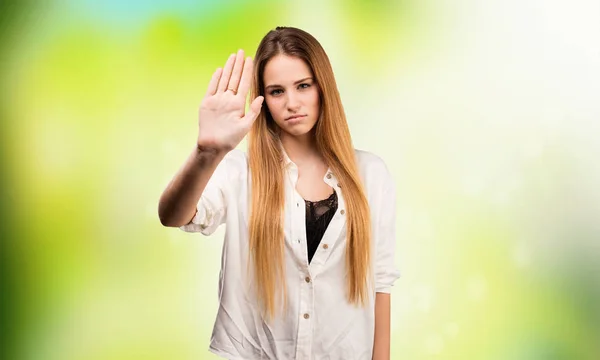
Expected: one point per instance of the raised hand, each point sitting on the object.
(222, 121)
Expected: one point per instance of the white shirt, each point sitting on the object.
(320, 323)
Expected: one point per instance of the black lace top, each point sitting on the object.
(318, 215)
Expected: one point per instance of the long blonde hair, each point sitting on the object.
(266, 163)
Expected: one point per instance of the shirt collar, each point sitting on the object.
(286, 159)
(329, 177)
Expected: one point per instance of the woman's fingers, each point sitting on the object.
(236, 73)
(254, 110)
(214, 81)
(224, 81)
(244, 85)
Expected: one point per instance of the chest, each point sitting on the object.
(310, 184)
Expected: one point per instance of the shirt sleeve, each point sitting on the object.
(211, 209)
(386, 272)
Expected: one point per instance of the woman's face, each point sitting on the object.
(291, 94)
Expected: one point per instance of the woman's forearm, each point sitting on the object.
(381, 345)
(177, 205)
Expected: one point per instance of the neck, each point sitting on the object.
(300, 149)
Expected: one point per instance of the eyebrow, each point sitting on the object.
(295, 83)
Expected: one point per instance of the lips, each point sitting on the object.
(295, 117)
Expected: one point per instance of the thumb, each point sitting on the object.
(254, 110)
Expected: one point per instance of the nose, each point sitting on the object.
(293, 101)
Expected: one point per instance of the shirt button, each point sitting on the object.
(306, 316)
(298, 241)
(329, 176)
(325, 246)
(342, 212)
(307, 279)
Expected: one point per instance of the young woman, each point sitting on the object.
(308, 256)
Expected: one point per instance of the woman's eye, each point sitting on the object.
(276, 92)
(303, 86)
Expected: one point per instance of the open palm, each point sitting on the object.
(222, 121)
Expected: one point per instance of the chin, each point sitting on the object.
(298, 130)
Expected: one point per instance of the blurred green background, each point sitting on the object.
(487, 114)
